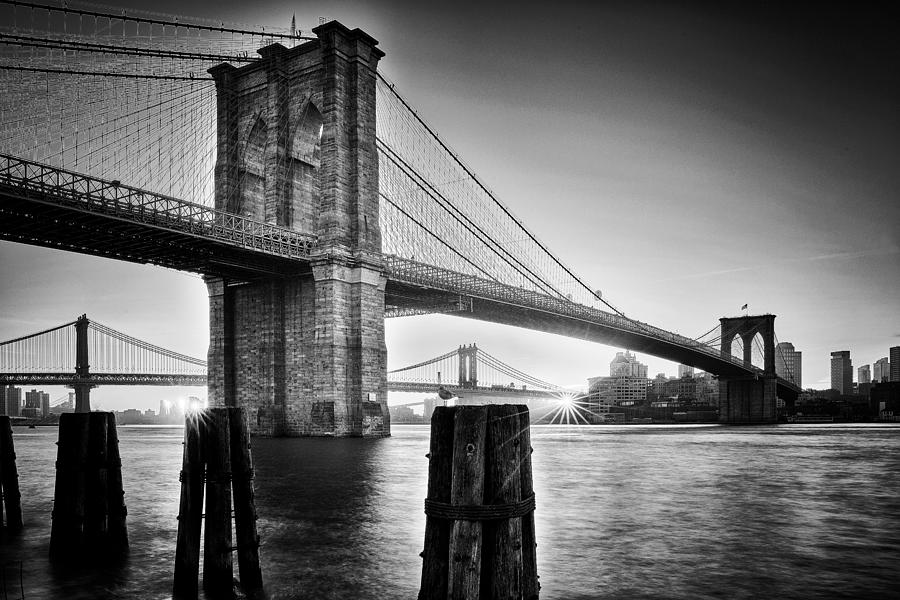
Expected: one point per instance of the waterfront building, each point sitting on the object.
(685, 371)
(881, 370)
(622, 390)
(658, 384)
(895, 363)
(842, 372)
(626, 364)
(707, 390)
(863, 375)
(788, 363)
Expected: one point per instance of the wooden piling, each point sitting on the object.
(67, 527)
(217, 442)
(489, 511)
(190, 514)
(437, 531)
(116, 511)
(9, 479)
(530, 584)
(467, 489)
(96, 489)
(503, 538)
(246, 534)
(88, 501)
(218, 569)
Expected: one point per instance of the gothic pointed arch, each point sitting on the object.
(305, 160)
(252, 170)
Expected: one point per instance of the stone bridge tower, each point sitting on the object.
(304, 354)
(468, 366)
(749, 399)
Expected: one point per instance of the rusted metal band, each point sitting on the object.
(483, 512)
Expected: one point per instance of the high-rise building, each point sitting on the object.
(863, 375)
(895, 363)
(685, 371)
(788, 363)
(842, 372)
(11, 400)
(881, 370)
(626, 363)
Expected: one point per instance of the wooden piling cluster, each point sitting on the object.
(479, 530)
(89, 502)
(9, 479)
(217, 457)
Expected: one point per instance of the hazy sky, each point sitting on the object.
(683, 159)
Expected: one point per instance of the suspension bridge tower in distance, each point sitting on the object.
(305, 353)
(750, 399)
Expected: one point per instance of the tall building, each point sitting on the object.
(881, 370)
(842, 372)
(11, 400)
(895, 363)
(789, 363)
(685, 371)
(863, 375)
(626, 364)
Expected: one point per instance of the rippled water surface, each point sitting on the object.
(789, 511)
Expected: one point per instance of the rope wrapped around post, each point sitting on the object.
(479, 512)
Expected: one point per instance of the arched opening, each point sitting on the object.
(737, 347)
(757, 351)
(306, 144)
(252, 174)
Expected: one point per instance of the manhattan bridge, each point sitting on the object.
(315, 201)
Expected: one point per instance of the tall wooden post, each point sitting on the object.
(217, 449)
(190, 514)
(217, 562)
(9, 478)
(479, 532)
(88, 503)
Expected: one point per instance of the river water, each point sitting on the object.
(787, 511)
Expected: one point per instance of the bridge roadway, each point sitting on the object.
(45, 206)
(96, 379)
(481, 391)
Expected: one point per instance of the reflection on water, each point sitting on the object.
(791, 511)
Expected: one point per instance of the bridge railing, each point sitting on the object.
(38, 181)
(405, 270)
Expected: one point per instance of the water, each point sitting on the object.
(790, 511)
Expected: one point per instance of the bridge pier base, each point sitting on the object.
(305, 356)
(748, 400)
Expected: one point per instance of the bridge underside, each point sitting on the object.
(99, 231)
(406, 298)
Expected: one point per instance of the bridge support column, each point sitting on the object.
(304, 354)
(749, 400)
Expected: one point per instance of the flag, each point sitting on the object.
(744, 307)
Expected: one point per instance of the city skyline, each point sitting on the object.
(685, 161)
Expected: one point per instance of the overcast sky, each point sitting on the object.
(685, 160)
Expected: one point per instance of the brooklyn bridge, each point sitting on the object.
(313, 199)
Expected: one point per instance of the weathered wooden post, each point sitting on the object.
(9, 479)
(479, 532)
(88, 503)
(217, 452)
(190, 513)
(246, 534)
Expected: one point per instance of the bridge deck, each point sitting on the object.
(55, 208)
